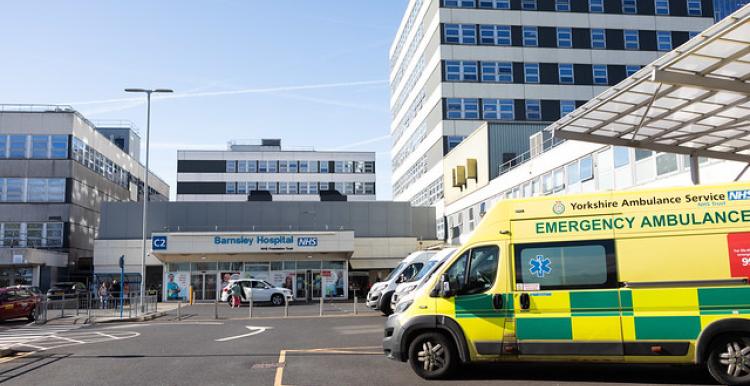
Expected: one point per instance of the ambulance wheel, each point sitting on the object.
(729, 359)
(432, 356)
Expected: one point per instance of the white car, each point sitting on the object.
(261, 291)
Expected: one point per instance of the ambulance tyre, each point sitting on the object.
(432, 356)
(729, 359)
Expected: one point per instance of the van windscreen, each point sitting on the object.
(395, 271)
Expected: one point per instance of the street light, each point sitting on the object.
(148, 93)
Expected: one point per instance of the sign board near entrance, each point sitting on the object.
(219, 242)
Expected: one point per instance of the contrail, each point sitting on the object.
(360, 143)
(234, 92)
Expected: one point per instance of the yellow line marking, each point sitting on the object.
(8, 359)
(333, 350)
(280, 369)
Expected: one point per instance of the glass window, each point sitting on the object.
(59, 148)
(500, 72)
(598, 38)
(272, 166)
(629, 6)
(573, 173)
(303, 167)
(666, 163)
(500, 109)
(562, 5)
(596, 6)
(631, 39)
(631, 69)
(56, 190)
(565, 72)
(312, 166)
(533, 110)
(567, 265)
(661, 7)
(641, 154)
(456, 274)
(39, 146)
(495, 35)
(292, 166)
(459, 3)
(3, 146)
(530, 36)
(17, 146)
(622, 156)
(454, 140)
(528, 5)
(482, 270)
(37, 190)
(54, 234)
(691, 34)
(231, 188)
(531, 72)
(664, 40)
(587, 168)
(462, 108)
(34, 235)
(496, 4)
(460, 33)
(242, 188)
(600, 74)
(369, 188)
(567, 107)
(12, 234)
(457, 70)
(231, 166)
(262, 166)
(14, 189)
(564, 37)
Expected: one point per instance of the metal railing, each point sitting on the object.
(92, 308)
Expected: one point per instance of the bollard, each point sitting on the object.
(62, 309)
(216, 309)
(179, 306)
(355, 304)
(250, 305)
(88, 307)
(78, 303)
(286, 306)
(321, 306)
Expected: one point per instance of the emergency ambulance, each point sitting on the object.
(656, 276)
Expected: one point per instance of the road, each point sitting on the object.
(337, 350)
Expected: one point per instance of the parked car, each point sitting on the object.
(17, 303)
(262, 291)
(69, 289)
(34, 290)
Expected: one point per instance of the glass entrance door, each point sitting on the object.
(196, 281)
(204, 286)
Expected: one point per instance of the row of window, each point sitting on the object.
(536, 73)
(32, 234)
(34, 146)
(405, 33)
(564, 37)
(419, 134)
(429, 195)
(508, 109)
(288, 187)
(415, 171)
(266, 166)
(32, 190)
(100, 164)
(632, 7)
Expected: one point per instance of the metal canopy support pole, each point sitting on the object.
(695, 169)
(742, 172)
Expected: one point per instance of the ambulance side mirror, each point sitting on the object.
(445, 287)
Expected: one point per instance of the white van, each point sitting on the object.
(379, 297)
(424, 274)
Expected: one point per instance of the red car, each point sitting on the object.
(17, 303)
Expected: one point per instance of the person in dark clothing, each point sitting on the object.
(115, 291)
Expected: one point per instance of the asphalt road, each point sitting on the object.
(336, 350)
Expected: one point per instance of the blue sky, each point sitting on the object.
(313, 73)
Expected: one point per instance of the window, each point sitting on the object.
(630, 37)
(691, 34)
(231, 188)
(598, 38)
(600, 74)
(567, 265)
(495, 35)
(17, 147)
(59, 148)
(641, 154)
(533, 110)
(496, 4)
(482, 269)
(573, 173)
(528, 5)
(12, 234)
(283, 166)
(661, 7)
(565, 71)
(3, 146)
(291, 166)
(312, 166)
(567, 107)
(629, 6)
(39, 146)
(596, 6)
(453, 141)
(231, 166)
(34, 234)
(54, 234)
(562, 5)
(272, 166)
(621, 156)
(530, 36)
(304, 167)
(369, 188)
(324, 167)
(666, 163)
(460, 33)
(564, 37)
(631, 69)
(462, 108)
(663, 40)
(500, 109)
(56, 190)
(587, 168)
(499, 72)
(459, 3)
(531, 72)
(461, 70)
(14, 189)
(37, 190)
(456, 274)
(262, 166)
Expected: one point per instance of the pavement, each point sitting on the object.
(302, 349)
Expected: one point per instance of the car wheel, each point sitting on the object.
(432, 356)
(32, 315)
(729, 359)
(277, 299)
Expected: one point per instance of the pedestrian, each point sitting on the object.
(114, 291)
(235, 292)
(103, 295)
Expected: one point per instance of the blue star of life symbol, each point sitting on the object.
(540, 266)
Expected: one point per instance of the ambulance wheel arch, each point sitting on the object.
(716, 330)
(430, 323)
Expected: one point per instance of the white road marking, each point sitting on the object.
(133, 325)
(255, 331)
(107, 335)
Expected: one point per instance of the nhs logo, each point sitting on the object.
(158, 242)
(734, 195)
(307, 241)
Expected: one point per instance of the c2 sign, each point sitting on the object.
(159, 242)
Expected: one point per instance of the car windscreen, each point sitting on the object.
(426, 269)
(394, 272)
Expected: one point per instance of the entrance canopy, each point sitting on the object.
(694, 100)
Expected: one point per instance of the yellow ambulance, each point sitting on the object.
(651, 276)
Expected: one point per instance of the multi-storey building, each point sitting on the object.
(524, 63)
(55, 171)
(287, 174)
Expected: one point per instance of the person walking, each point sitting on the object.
(235, 291)
(103, 295)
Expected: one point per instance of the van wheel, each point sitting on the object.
(277, 299)
(385, 304)
(432, 356)
(729, 359)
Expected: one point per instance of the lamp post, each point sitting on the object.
(148, 93)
